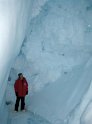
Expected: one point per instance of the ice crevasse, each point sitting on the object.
(50, 42)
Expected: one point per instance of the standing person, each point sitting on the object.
(21, 90)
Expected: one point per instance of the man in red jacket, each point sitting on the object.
(21, 90)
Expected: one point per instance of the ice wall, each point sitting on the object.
(14, 22)
(54, 57)
(81, 113)
(14, 19)
(57, 37)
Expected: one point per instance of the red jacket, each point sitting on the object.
(21, 87)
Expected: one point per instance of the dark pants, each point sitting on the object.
(22, 103)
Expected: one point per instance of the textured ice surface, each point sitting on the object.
(55, 56)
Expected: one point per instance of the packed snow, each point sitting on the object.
(50, 42)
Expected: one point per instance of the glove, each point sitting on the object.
(26, 92)
(16, 93)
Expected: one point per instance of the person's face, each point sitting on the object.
(21, 77)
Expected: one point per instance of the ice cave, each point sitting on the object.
(50, 42)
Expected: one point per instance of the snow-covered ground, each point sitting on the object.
(27, 117)
(50, 42)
